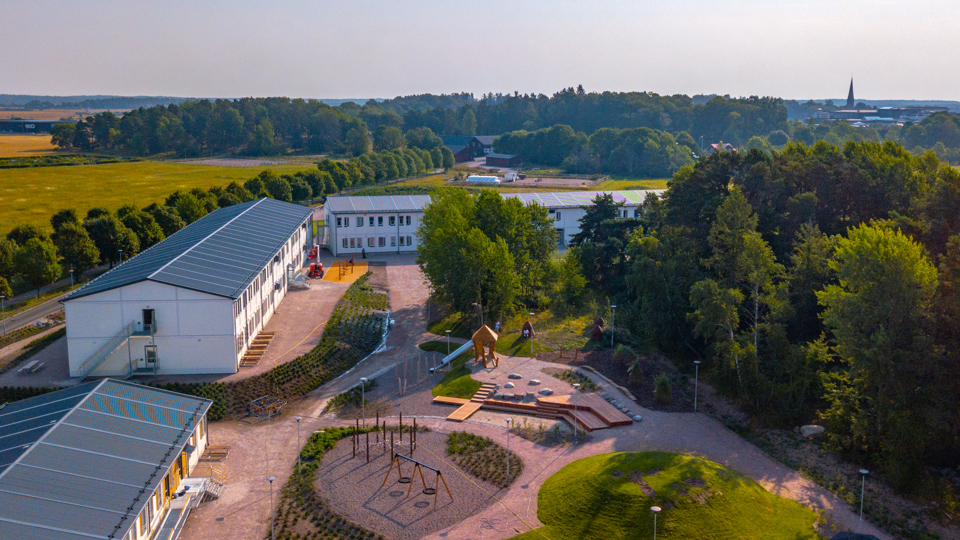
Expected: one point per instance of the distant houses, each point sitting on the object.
(466, 147)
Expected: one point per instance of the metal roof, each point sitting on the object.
(219, 254)
(82, 462)
(416, 203)
(501, 156)
(487, 140)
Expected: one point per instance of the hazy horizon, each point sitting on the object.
(327, 50)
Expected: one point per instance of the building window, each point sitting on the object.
(339, 222)
(371, 221)
(409, 243)
(393, 241)
(558, 216)
(401, 241)
(408, 220)
(359, 222)
(382, 242)
(370, 241)
(636, 213)
(379, 221)
(393, 221)
(344, 243)
(353, 243)
(346, 222)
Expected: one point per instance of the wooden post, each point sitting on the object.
(354, 442)
(401, 428)
(391, 445)
(413, 439)
(378, 426)
(368, 447)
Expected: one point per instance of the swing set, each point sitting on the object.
(417, 468)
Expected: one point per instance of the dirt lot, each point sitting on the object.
(567, 183)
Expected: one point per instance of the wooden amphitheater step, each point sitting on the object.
(483, 393)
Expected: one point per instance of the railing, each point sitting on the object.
(104, 351)
(211, 472)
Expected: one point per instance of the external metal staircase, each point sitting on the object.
(100, 355)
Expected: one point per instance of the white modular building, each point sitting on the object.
(102, 460)
(192, 303)
(388, 223)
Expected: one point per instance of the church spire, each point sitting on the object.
(850, 101)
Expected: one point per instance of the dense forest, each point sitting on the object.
(815, 283)
(625, 133)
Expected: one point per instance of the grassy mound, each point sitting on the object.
(457, 382)
(609, 496)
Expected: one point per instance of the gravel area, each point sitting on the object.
(353, 488)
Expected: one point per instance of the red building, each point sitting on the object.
(503, 160)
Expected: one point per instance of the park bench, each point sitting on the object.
(31, 367)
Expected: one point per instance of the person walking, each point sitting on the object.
(363, 252)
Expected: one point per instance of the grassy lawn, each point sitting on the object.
(609, 496)
(457, 382)
(33, 195)
(555, 329)
(622, 185)
(25, 145)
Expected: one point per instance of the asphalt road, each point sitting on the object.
(31, 315)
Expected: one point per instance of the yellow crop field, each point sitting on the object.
(54, 114)
(24, 145)
(32, 195)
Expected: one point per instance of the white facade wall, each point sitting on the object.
(394, 232)
(566, 221)
(194, 330)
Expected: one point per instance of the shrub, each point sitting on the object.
(662, 391)
(636, 372)
(483, 458)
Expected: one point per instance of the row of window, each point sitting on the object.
(391, 221)
(355, 243)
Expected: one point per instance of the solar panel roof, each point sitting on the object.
(219, 254)
(82, 462)
(416, 203)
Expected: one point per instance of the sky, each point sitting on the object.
(362, 48)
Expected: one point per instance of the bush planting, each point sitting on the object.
(483, 458)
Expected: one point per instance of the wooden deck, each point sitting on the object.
(589, 411)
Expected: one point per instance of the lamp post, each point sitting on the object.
(696, 385)
(863, 484)
(576, 389)
(363, 400)
(71, 277)
(448, 343)
(613, 324)
(120, 251)
(273, 535)
(655, 510)
(509, 423)
(298, 419)
(532, 337)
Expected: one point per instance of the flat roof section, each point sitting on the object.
(219, 254)
(416, 203)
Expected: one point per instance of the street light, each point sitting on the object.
(863, 484)
(273, 535)
(71, 277)
(298, 419)
(532, 337)
(613, 324)
(655, 510)
(576, 388)
(696, 385)
(509, 423)
(363, 400)
(448, 343)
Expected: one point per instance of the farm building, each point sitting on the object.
(503, 160)
(468, 147)
(388, 224)
(106, 459)
(16, 125)
(192, 303)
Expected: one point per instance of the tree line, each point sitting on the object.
(815, 283)
(36, 257)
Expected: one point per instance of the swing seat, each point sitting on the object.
(429, 491)
(404, 479)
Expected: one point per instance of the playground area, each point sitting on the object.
(345, 270)
(375, 495)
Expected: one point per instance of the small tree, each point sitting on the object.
(36, 262)
(5, 288)
(8, 248)
(75, 247)
(22, 233)
(68, 215)
(662, 391)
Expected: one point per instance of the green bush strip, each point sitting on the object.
(300, 502)
(609, 497)
(483, 458)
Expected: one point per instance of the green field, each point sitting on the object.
(33, 195)
(601, 497)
